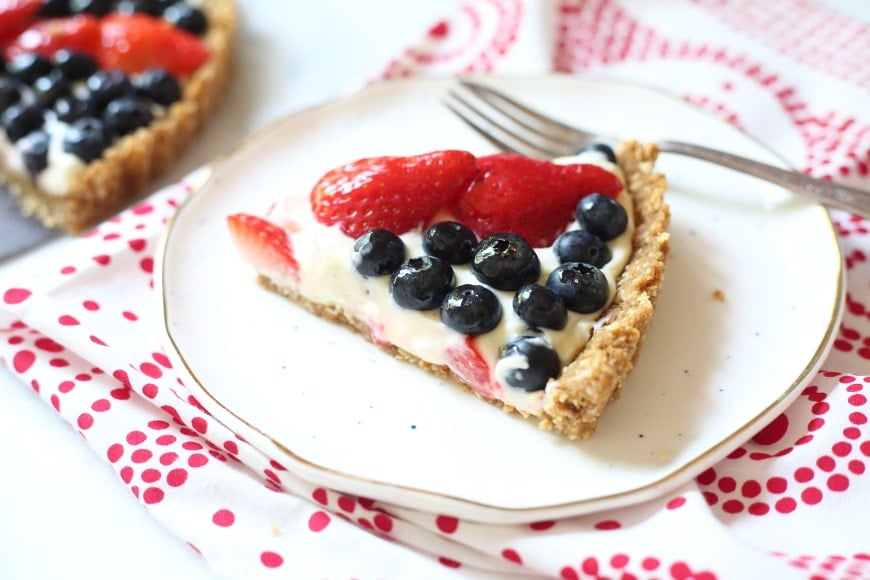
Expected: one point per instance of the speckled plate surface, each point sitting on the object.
(740, 326)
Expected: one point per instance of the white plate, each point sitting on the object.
(337, 411)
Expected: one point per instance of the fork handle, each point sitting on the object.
(830, 194)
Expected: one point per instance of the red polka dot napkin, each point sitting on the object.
(789, 503)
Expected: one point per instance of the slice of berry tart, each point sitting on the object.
(530, 282)
(99, 97)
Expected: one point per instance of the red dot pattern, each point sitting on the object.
(594, 35)
(271, 559)
(822, 473)
(466, 46)
(622, 565)
(362, 511)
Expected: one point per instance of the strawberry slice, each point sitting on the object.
(15, 17)
(395, 193)
(533, 198)
(128, 42)
(465, 360)
(136, 42)
(264, 245)
(80, 33)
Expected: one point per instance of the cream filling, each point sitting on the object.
(62, 167)
(327, 276)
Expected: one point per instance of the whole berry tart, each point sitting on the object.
(531, 283)
(99, 97)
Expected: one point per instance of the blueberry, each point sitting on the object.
(582, 246)
(95, 7)
(74, 65)
(540, 307)
(50, 88)
(602, 148)
(20, 119)
(69, 108)
(186, 17)
(602, 215)
(87, 138)
(34, 151)
(582, 287)
(158, 85)
(421, 283)
(537, 363)
(471, 309)
(377, 253)
(54, 8)
(126, 114)
(28, 66)
(450, 241)
(10, 92)
(108, 85)
(505, 261)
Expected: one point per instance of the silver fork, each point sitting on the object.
(512, 126)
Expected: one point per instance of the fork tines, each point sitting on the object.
(509, 125)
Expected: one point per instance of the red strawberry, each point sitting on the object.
(15, 16)
(129, 42)
(530, 197)
(80, 33)
(264, 245)
(396, 193)
(469, 365)
(135, 42)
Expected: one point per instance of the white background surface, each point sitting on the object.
(64, 514)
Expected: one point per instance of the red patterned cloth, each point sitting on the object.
(792, 502)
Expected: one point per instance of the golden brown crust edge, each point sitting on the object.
(576, 400)
(122, 174)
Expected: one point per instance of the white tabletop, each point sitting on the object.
(75, 519)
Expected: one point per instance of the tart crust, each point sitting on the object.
(576, 399)
(121, 175)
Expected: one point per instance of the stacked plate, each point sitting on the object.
(741, 324)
